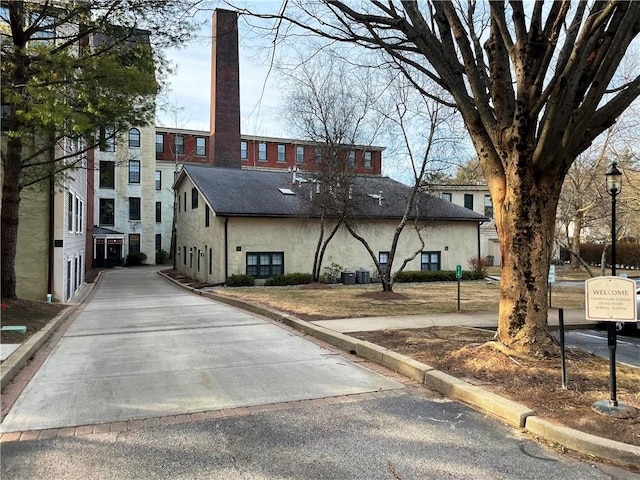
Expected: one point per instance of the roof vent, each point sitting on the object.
(378, 196)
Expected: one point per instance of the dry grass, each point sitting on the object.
(367, 301)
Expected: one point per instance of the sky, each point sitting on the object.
(189, 94)
(261, 101)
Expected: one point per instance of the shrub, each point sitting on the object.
(136, 259)
(332, 273)
(161, 256)
(289, 279)
(479, 265)
(434, 276)
(241, 280)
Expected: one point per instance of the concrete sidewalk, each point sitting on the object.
(572, 319)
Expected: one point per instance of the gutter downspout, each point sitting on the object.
(226, 249)
(50, 270)
(479, 223)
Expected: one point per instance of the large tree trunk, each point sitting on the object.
(525, 222)
(10, 215)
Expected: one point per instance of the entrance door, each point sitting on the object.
(114, 255)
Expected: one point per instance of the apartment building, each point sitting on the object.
(124, 190)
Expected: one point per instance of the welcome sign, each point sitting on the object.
(610, 298)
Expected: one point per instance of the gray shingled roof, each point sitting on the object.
(256, 193)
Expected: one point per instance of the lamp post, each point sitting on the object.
(614, 185)
(612, 408)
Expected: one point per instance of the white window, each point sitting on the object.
(281, 151)
(69, 212)
(159, 143)
(77, 214)
(201, 150)
(367, 160)
(179, 145)
(351, 161)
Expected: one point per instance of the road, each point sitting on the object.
(595, 341)
(191, 389)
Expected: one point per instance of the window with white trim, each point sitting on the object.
(179, 139)
(281, 153)
(69, 212)
(262, 152)
(351, 159)
(244, 150)
(367, 159)
(201, 146)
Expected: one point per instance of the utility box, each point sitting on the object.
(363, 276)
(348, 278)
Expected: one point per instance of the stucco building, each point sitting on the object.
(260, 222)
(478, 199)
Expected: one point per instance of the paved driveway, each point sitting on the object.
(143, 348)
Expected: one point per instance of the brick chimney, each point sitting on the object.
(225, 90)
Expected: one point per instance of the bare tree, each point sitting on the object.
(424, 148)
(583, 206)
(331, 106)
(535, 84)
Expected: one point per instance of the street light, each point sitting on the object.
(614, 185)
(612, 408)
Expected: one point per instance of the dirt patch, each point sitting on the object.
(384, 296)
(462, 353)
(29, 313)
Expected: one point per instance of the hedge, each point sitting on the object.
(241, 280)
(627, 254)
(435, 276)
(136, 259)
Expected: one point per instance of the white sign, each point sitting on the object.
(552, 274)
(610, 298)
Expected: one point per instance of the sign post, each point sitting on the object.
(611, 299)
(458, 277)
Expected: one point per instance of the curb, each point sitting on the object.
(510, 412)
(18, 359)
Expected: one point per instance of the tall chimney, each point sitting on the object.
(225, 91)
